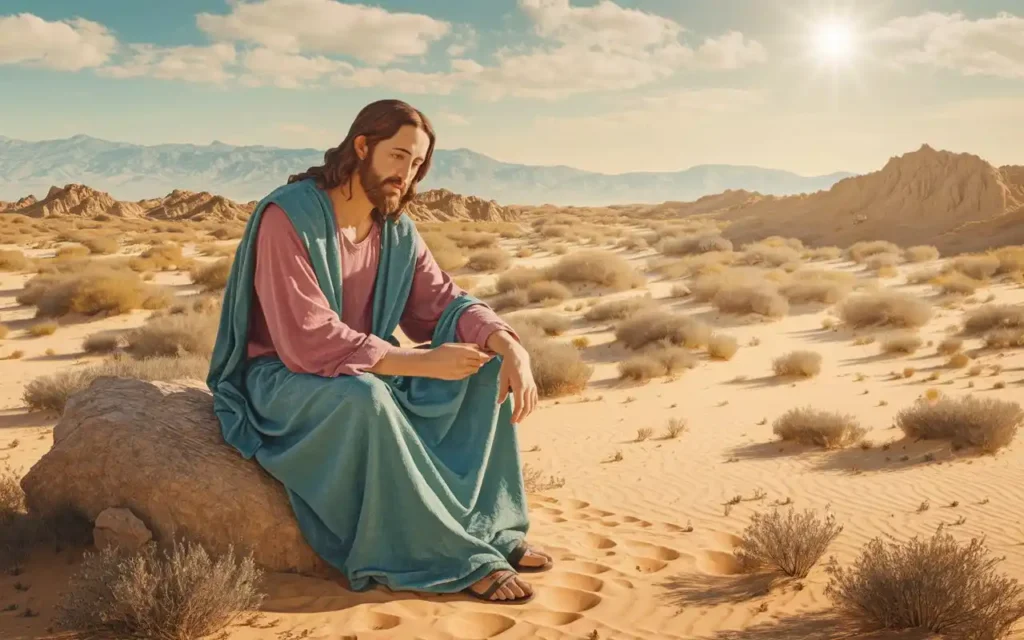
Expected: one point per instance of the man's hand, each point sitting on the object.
(515, 375)
(455, 361)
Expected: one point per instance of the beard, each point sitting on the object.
(387, 202)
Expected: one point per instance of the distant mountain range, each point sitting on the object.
(244, 173)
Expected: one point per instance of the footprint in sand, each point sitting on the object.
(726, 540)
(582, 566)
(574, 581)
(367, 620)
(648, 565)
(570, 503)
(652, 551)
(595, 541)
(550, 618)
(643, 524)
(477, 626)
(718, 563)
(568, 600)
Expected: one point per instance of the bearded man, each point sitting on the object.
(401, 464)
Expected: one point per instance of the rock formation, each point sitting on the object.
(155, 448)
(81, 201)
(441, 205)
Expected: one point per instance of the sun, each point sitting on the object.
(834, 41)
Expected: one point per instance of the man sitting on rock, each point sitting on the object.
(402, 464)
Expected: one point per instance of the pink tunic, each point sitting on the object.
(292, 319)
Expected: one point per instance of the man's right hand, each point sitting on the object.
(455, 360)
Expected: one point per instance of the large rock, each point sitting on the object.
(155, 448)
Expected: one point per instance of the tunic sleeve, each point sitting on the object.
(306, 333)
(432, 290)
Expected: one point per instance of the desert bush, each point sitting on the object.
(595, 267)
(658, 326)
(921, 253)
(43, 329)
(549, 323)
(825, 429)
(760, 298)
(823, 253)
(71, 252)
(657, 362)
(509, 301)
(722, 347)
(1005, 338)
(924, 276)
(3, 331)
(957, 283)
(949, 346)
(977, 267)
(535, 482)
(50, 393)
(213, 276)
(619, 309)
(902, 343)
(216, 250)
(161, 257)
(798, 363)
(768, 255)
(12, 260)
(986, 423)
(227, 232)
(101, 245)
(861, 251)
(959, 361)
(679, 290)
(95, 290)
(691, 244)
(557, 367)
(632, 243)
(473, 239)
(880, 261)
(1011, 259)
(101, 343)
(792, 544)
(546, 291)
(993, 316)
(825, 291)
(180, 594)
(518, 278)
(174, 335)
(707, 285)
(885, 308)
(495, 259)
(938, 585)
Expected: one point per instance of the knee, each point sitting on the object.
(367, 391)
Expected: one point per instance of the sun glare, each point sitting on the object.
(834, 41)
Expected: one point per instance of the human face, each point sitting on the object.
(388, 174)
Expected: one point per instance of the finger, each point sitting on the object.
(502, 386)
(520, 402)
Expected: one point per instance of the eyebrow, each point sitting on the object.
(405, 150)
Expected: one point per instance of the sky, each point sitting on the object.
(631, 85)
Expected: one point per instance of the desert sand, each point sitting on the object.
(643, 545)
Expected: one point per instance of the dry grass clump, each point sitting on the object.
(633, 242)
(50, 393)
(96, 290)
(938, 585)
(902, 343)
(446, 253)
(174, 335)
(993, 316)
(810, 289)
(71, 252)
(4, 330)
(511, 300)
(979, 267)
(885, 308)
(518, 278)
(619, 309)
(792, 544)
(213, 276)
(216, 250)
(12, 260)
(468, 239)
(660, 326)
(550, 324)
(656, 363)
(101, 343)
(950, 346)
(101, 245)
(722, 347)
(707, 284)
(959, 361)
(691, 244)
(547, 292)
(958, 283)
(596, 267)
(494, 259)
(181, 594)
(882, 261)
(760, 298)
(1011, 259)
(228, 233)
(798, 363)
(823, 253)
(924, 276)
(557, 367)
(819, 428)
(1005, 338)
(921, 253)
(861, 251)
(40, 329)
(162, 257)
(535, 482)
(769, 255)
(969, 421)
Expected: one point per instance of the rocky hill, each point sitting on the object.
(441, 205)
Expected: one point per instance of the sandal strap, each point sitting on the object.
(497, 584)
(518, 553)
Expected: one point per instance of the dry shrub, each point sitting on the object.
(656, 363)
(43, 329)
(50, 393)
(957, 283)
(547, 291)
(938, 585)
(722, 347)
(993, 316)
(161, 257)
(619, 309)
(708, 284)
(825, 429)
(14, 261)
(174, 335)
(885, 308)
(977, 267)
(101, 343)
(213, 276)
(861, 251)
(549, 323)
(473, 239)
(880, 261)
(697, 243)
(779, 241)
(902, 343)
(596, 267)
(96, 290)
(632, 243)
(823, 253)
(792, 544)
(557, 367)
(71, 252)
(949, 346)
(3, 331)
(228, 233)
(518, 278)
(180, 594)
(509, 301)
(216, 250)
(679, 290)
(1011, 259)
(798, 363)
(101, 245)
(768, 255)
(921, 253)
(761, 298)
(534, 481)
(805, 290)
(924, 276)
(959, 361)
(659, 326)
(1005, 338)
(495, 259)
(986, 423)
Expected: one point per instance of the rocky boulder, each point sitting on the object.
(155, 449)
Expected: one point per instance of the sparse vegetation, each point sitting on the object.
(596, 268)
(949, 346)
(969, 421)
(921, 253)
(535, 482)
(861, 251)
(212, 276)
(551, 324)
(14, 261)
(656, 363)
(494, 259)
(798, 363)
(825, 429)
(547, 291)
(885, 308)
(760, 298)
(174, 335)
(657, 325)
(993, 316)
(791, 543)
(902, 343)
(722, 346)
(557, 366)
(619, 309)
(938, 585)
(40, 329)
(96, 290)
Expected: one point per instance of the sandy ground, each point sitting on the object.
(628, 564)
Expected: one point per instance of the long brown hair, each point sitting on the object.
(377, 121)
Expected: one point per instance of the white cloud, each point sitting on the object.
(464, 40)
(730, 51)
(413, 82)
(605, 25)
(371, 34)
(285, 70)
(65, 45)
(452, 118)
(204, 64)
(986, 46)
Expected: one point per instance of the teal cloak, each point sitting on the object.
(413, 483)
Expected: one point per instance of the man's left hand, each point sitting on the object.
(515, 376)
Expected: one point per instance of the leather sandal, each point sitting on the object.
(497, 584)
(517, 554)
